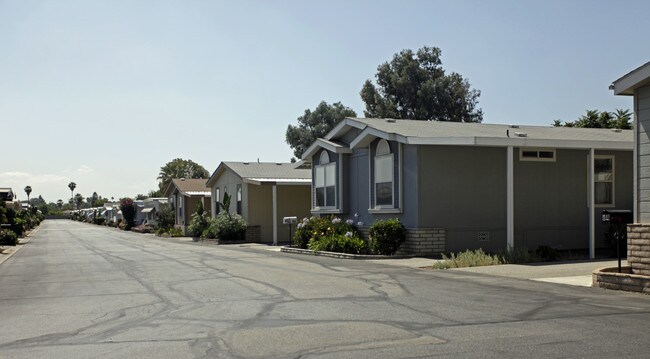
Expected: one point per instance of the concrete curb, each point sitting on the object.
(22, 242)
(338, 255)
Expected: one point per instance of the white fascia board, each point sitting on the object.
(600, 145)
(342, 127)
(369, 134)
(520, 142)
(628, 83)
(217, 173)
(321, 143)
(462, 141)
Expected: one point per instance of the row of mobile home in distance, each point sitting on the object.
(455, 186)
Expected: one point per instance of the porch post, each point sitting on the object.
(275, 216)
(510, 195)
(592, 207)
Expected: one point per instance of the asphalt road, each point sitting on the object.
(82, 291)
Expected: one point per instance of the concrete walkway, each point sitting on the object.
(572, 273)
(576, 273)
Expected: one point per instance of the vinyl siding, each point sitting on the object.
(642, 102)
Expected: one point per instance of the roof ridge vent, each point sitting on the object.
(617, 130)
(513, 126)
(278, 164)
(246, 163)
(521, 134)
(391, 120)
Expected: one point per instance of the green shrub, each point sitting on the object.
(199, 222)
(546, 254)
(226, 227)
(339, 243)
(315, 228)
(166, 218)
(518, 255)
(8, 237)
(468, 258)
(385, 237)
(128, 212)
(175, 232)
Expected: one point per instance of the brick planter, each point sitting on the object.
(609, 278)
(638, 248)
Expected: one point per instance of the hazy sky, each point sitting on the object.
(104, 93)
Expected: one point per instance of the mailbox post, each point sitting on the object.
(619, 219)
(290, 221)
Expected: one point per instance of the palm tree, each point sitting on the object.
(28, 190)
(623, 118)
(72, 186)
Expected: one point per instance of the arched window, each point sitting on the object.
(325, 181)
(383, 175)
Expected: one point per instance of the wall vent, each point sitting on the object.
(483, 236)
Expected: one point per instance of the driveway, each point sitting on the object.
(82, 291)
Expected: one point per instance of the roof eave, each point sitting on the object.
(631, 81)
(342, 127)
(521, 142)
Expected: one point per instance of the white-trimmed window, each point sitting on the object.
(537, 154)
(383, 175)
(239, 199)
(181, 220)
(217, 196)
(604, 176)
(325, 182)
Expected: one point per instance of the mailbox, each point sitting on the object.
(616, 216)
(289, 220)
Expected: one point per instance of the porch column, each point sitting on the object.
(592, 206)
(275, 216)
(510, 200)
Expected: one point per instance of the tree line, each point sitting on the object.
(415, 86)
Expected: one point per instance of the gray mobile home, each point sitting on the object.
(636, 83)
(469, 185)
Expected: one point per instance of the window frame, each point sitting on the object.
(613, 181)
(217, 195)
(537, 158)
(239, 195)
(326, 165)
(379, 156)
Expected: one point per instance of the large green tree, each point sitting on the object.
(415, 86)
(180, 168)
(600, 119)
(315, 124)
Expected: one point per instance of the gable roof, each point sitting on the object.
(265, 172)
(475, 134)
(632, 80)
(189, 187)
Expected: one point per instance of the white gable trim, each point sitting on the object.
(342, 127)
(328, 145)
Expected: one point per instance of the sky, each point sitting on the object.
(104, 93)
